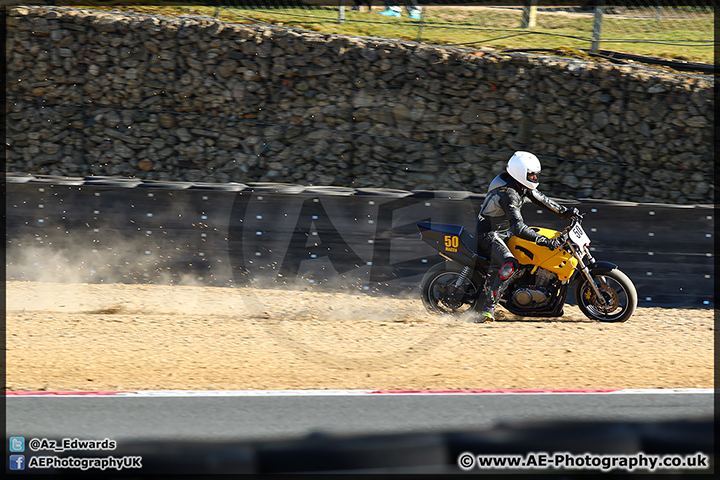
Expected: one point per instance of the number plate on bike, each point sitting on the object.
(578, 236)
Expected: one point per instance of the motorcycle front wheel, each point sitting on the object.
(437, 286)
(617, 290)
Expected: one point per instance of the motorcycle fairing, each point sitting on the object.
(452, 241)
(560, 262)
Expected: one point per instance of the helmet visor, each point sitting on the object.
(533, 177)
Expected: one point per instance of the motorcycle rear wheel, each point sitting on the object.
(434, 287)
(618, 292)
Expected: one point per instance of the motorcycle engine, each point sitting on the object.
(531, 296)
(545, 278)
(538, 295)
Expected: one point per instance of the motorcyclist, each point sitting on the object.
(500, 217)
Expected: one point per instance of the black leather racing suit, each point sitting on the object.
(498, 219)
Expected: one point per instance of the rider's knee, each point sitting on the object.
(508, 267)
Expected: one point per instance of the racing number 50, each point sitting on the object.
(451, 241)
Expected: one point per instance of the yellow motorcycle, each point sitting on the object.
(457, 286)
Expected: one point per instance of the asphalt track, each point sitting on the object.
(257, 415)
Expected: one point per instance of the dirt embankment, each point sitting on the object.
(133, 337)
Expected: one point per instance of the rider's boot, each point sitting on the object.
(487, 312)
(494, 290)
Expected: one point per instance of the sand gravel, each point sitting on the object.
(84, 337)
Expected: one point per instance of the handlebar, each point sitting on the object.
(573, 221)
(576, 219)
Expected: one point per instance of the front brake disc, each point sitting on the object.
(611, 299)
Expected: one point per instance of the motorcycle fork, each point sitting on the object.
(586, 271)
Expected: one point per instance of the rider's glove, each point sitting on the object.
(550, 243)
(569, 213)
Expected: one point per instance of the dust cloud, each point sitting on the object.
(110, 260)
(127, 278)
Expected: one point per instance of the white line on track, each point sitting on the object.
(256, 393)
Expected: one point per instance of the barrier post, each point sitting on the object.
(597, 25)
(529, 18)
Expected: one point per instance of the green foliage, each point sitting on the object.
(671, 36)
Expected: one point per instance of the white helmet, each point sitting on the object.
(525, 168)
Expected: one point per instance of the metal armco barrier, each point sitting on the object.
(104, 229)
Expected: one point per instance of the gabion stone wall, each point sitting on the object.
(192, 98)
